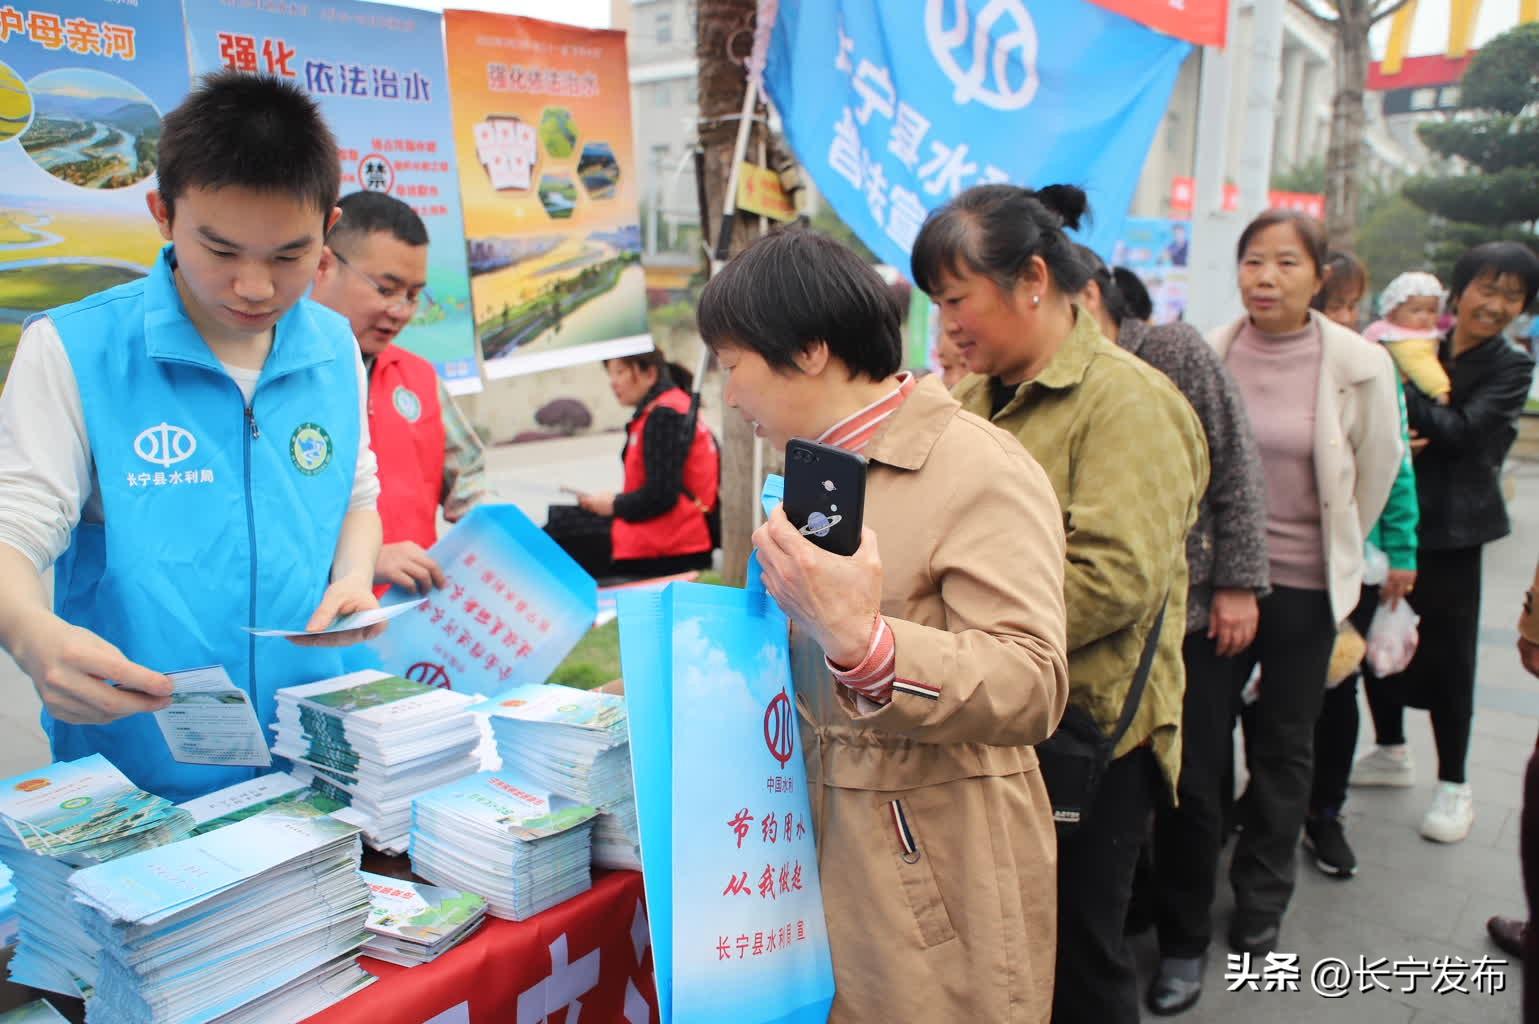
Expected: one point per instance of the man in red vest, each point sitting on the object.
(374, 272)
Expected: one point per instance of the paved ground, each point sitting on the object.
(1411, 899)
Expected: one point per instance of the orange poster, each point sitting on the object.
(542, 133)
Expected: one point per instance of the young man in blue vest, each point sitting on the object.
(374, 272)
(189, 450)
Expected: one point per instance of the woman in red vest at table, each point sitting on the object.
(663, 522)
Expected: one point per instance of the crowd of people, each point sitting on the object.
(1093, 546)
(1231, 510)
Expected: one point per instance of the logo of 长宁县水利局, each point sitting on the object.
(407, 404)
(310, 448)
(1001, 42)
(165, 445)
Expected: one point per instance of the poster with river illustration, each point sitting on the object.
(542, 130)
(83, 87)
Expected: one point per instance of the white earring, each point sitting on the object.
(1036, 300)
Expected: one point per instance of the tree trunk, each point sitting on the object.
(1343, 157)
(724, 37)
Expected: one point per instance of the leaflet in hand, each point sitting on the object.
(357, 620)
(211, 721)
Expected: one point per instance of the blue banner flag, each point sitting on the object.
(894, 114)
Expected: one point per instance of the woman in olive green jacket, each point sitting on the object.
(1128, 459)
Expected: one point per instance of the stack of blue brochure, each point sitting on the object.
(374, 741)
(575, 743)
(70, 815)
(255, 796)
(259, 922)
(506, 838)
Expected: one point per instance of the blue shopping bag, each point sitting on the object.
(513, 607)
(727, 850)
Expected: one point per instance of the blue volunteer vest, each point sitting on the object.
(215, 516)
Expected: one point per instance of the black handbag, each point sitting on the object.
(1074, 758)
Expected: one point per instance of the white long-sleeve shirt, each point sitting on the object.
(47, 475)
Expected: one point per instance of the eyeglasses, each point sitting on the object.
(395, 296)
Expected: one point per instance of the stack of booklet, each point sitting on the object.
(411, 923)
(256, 796)
(617, 837)
(373, 741)
(576, 743)
(505, 837)
(69, 815)
(260, 921)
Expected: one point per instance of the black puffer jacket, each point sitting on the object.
(1459, 474)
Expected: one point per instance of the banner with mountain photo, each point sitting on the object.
(378, 73)
(542, 129)
(83, 87)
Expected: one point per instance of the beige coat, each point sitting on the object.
(936, 846)
(1357, 447)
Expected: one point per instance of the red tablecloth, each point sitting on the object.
(588, 959)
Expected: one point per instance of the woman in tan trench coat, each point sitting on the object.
(925, 672)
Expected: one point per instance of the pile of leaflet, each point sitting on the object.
(411, 923)
(255, 796)
(69, 815)
(505, 837)
(374, 741)
(259, 922)
(617, 837)
(575, 743)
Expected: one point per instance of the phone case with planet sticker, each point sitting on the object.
(825, 494)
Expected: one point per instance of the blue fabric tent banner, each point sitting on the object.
(894, 111)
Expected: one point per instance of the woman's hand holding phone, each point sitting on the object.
(835, 598)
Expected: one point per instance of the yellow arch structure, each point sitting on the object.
(1462, 15)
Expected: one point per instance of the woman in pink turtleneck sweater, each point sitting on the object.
(1322, 403)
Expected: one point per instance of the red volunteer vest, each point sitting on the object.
(406, 431)
(682, 530)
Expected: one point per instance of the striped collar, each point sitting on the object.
(856, 430)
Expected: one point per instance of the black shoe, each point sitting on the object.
(1507, 933)
(1176, 988)
(1255, 934)
(1327, 840)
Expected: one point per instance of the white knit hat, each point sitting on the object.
(1413, 284)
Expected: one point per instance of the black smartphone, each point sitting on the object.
(825, 494)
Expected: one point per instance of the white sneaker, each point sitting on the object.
(1452, 813)
(1385, 766)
